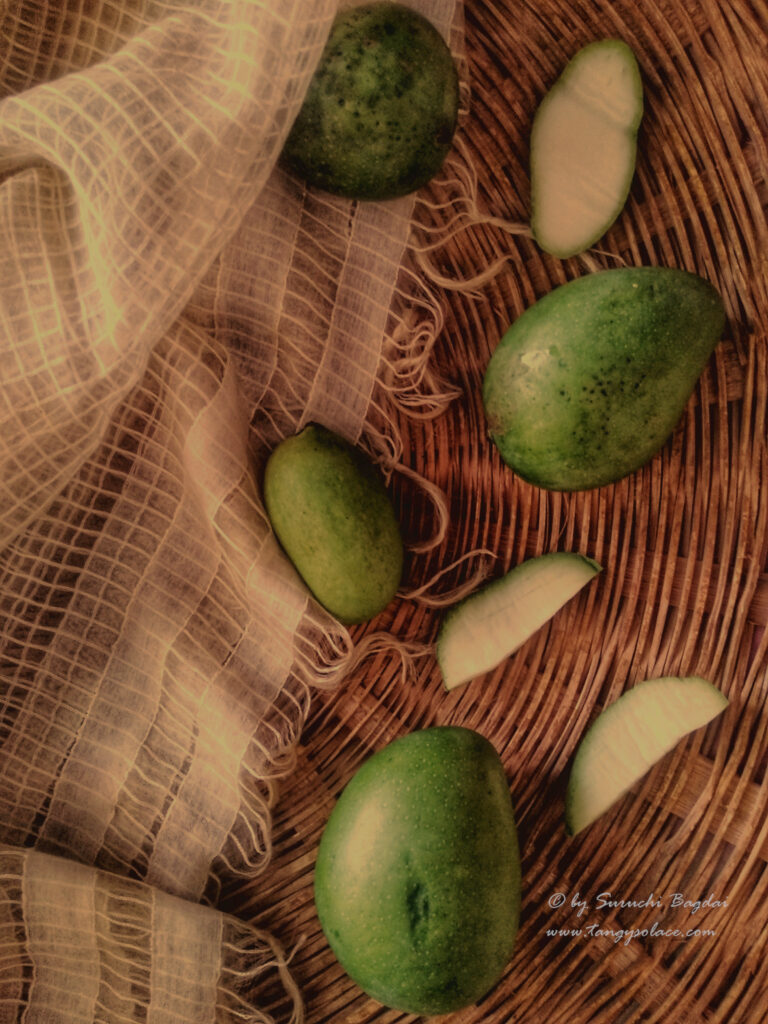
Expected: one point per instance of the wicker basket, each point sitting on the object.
(684, 543)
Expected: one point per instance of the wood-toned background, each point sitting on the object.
(683, 542)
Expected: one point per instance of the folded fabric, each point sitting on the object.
(78, 944)
(172, 303)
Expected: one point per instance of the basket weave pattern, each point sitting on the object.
(683, 542)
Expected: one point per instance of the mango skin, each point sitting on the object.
(380, 113)
(417, 879)
(588, 383)
(331, 512)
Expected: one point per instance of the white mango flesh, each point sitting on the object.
(629, 736)
(489, 625)
(583, 148)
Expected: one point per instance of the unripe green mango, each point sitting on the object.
(331, 512)
(380, 112)
(417, 880)
(589, 382)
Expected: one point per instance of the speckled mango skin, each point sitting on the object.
(380, 113)
(588, 383)
(417, 880)
(330, 510)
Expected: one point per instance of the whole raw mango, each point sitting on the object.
(589, 382)
(330, 510)
(380, 113)
(417, 880)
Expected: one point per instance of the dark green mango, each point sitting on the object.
(380, 113)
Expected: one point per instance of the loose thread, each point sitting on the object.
(279, 962)
(421, 594)
(440, 502)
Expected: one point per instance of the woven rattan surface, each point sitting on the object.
(683, 542)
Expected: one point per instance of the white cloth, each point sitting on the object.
(171, 304)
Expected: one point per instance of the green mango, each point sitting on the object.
(380, 113)
(588, 383)
(330, 510)
(417, 879)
